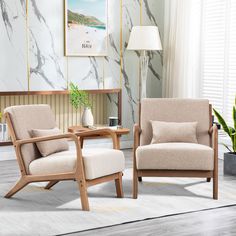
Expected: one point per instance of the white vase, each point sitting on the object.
(87, 117)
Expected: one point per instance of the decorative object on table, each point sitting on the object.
(113, 121)
(80, 98)
(86, 28)
(229, 157)
(87, 117)
(143, 39)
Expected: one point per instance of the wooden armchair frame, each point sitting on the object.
(53, 179)
(138, 174)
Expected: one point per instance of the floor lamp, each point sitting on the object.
(143, 39)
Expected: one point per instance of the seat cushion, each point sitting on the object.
(97, 163)
(175, 156)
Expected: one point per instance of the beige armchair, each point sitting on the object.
(176, 159)
(87, 167)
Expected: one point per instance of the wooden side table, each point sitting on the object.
(119, 132)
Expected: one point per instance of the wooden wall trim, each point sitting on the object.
(53, 92)
(65, 114)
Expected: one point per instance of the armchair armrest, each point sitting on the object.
(213, 129)
(73, 137)
(100, 132)
(213, 132)
(45, 138)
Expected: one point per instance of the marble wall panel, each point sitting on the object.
(87, 72)
(13, 50)
(46, 40)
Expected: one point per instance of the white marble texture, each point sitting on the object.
(13, 66)
(130, 85)
(49, 69)
(46, 36)
(87, 72)
(112, 61)
(48, 65)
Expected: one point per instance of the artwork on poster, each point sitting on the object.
(85, 27)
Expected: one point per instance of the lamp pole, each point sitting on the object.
(144, 61)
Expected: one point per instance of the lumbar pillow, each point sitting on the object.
(165, 132)
(48, 147)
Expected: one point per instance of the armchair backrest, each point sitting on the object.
(175, 110)
(25, 118)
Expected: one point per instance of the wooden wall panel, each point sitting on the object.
(64, 113)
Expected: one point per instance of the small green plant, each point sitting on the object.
(0, 116)
(231, 131)
(78, 97)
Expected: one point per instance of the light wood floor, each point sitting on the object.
(220, 221)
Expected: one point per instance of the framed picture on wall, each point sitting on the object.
(86, 27)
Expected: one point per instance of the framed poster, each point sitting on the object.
(86, 28)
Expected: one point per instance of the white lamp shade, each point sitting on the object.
(144, 38)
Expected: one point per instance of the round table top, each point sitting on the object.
(79, 128)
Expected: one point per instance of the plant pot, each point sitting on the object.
(229, 163)
(87, 117)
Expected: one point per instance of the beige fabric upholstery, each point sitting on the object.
(175, 156)
(48, 147)
(97, 163)
(175, 110)
(28, 117)
(165, 132)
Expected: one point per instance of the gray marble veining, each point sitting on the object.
(6, 19)
(50, 55)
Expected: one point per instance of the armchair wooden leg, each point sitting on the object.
(140, 179)
(83, 194)
(215, 186)
(208, 179)
(18, 186)
(135, 184)
(51, 184)
(119, 188)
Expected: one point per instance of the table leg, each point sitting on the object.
(118, 142)
(81, 142)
